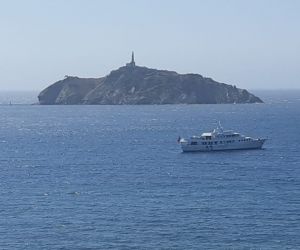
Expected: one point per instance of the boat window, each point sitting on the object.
(194, 143)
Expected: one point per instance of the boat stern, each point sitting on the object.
(261, 142)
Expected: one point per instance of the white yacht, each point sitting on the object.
(219, 139)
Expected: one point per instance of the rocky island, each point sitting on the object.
(133, 85)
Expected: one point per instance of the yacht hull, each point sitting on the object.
(255, 144)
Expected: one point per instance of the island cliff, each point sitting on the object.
(132, 84)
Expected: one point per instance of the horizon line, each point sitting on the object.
(249, 89)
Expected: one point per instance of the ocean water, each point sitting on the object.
(113, 177)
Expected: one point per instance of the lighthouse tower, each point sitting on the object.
(132, 63)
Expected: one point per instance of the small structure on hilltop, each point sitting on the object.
(132, 63)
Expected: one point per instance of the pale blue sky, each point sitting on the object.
(252, 44)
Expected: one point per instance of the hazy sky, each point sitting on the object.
(252, 44)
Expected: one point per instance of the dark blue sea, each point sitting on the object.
(113, 177)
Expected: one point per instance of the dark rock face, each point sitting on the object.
(141, 85)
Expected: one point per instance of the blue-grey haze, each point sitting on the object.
(252, 44)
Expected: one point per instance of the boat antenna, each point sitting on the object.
(220, 126)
